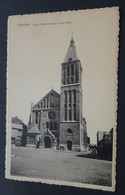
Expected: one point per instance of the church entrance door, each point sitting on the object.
(47, 142)
(69, 145)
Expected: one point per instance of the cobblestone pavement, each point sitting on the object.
(60, 165)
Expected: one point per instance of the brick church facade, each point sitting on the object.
(58, 118)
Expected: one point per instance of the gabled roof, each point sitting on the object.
(33, 130)
(52, 91)
(48, 94)
(71, 53)
(16, 120)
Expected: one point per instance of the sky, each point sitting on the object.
(37, 45)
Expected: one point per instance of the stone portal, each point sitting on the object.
(47, 142)
(69, 145)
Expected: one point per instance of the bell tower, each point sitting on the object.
(71, 125)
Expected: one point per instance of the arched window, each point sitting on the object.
(65, 96)
(70, 59)
(64, 75)
(68, 70)
(55, 125)
(65, 105)
(72, 69)
(65, 113)
(47, 102)
(77, 76)
(68, 81)
(47, 125)
(36, 121)
(70, 97)
(44, 103)
(74, 104)
(51, 126)
(71, 80)
(52, 105)
(74, 96)
(50, 102)
(70, 101)
(70, 116)
(74, 114)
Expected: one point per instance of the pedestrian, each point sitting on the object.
(37, 141)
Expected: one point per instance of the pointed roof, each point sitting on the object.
(33, 130)
(71, 53)
(50, 92)
(16, 120)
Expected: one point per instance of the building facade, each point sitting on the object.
(59, 117)
(45, 120)
(105, 143)
(18, 131)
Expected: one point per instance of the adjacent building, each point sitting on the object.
(18, 131)
(45, 120)
(105, 143)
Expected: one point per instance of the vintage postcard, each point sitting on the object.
(62, 98)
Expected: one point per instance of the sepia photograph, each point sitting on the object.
(62, 98)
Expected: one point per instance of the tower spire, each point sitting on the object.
(71, 53)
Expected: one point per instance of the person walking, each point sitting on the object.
(37, 141)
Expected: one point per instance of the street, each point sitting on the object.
(60, 165)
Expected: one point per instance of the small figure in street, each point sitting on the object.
(37, 141)
(62, 147)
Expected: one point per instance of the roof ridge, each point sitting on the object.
(45, 96)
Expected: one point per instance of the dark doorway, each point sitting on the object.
(47, 142)
(69, 145)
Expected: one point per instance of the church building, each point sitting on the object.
(58, 118)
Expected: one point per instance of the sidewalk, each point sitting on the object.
(55, 150)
